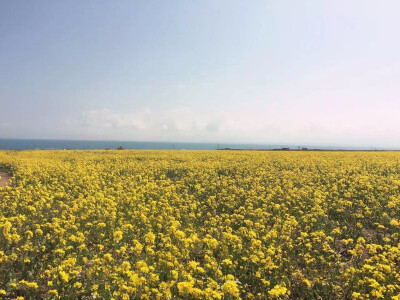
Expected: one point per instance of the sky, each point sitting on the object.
(270, 72)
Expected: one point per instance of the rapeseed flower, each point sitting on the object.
(200, 224)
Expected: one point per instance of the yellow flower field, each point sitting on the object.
(200, 225)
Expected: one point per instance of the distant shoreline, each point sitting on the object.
(229, 149)
(315, 150)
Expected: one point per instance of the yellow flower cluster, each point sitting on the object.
(200, 225)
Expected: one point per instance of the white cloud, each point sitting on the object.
(180, 124)
(270, 127)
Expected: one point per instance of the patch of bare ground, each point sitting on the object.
(4, 179)
(372, 234)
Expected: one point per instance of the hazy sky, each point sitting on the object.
(293, 72)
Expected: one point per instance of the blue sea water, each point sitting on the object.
(29, 144)
(20, 144)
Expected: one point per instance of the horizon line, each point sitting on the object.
(373, 148)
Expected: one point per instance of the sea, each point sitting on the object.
(31, 144)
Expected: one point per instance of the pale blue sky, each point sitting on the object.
(294, 72)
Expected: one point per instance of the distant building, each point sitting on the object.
(120, 148)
